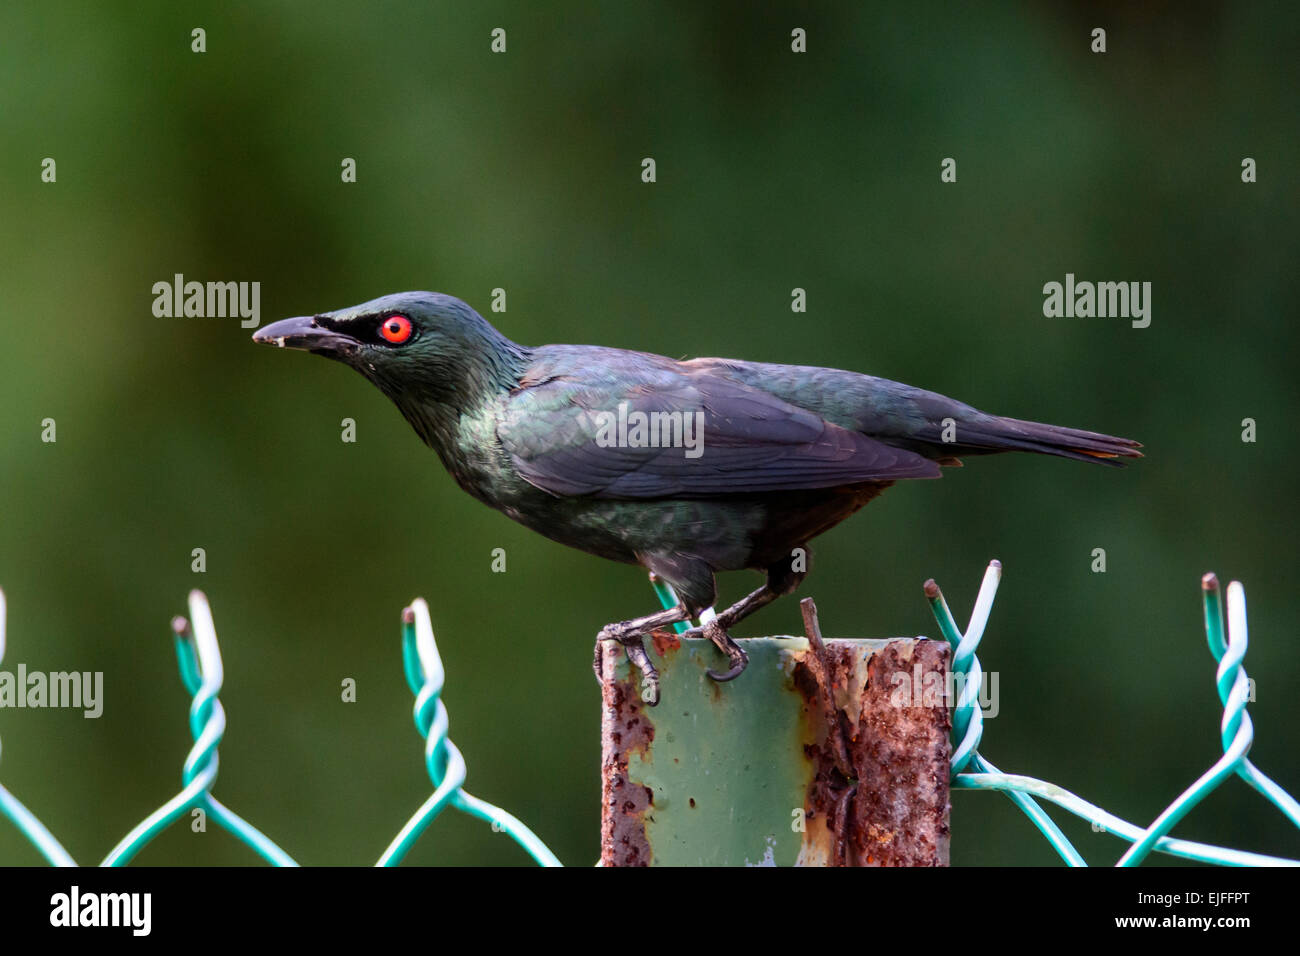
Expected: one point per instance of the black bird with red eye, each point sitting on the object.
(784, 452)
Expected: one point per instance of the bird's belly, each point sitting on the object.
(794, 518)
(730, 533)
(719, 531)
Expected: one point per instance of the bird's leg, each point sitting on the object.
(747, 605)
(781, 579)
(629, 634)
(736, 655)
(716, 631)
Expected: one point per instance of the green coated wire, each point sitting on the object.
(968, 718)
(1188, 849)
(34, 830)
(199, 661)
(198, 658)
(1237, 729)
(443, 760)
(668, 598)
(971, 771)
(13, 808)
(1237, 735)
(1233, 685)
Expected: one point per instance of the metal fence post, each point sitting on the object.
(824, 753)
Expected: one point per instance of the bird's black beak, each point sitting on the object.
(303, 333)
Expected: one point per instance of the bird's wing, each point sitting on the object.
(681, 434)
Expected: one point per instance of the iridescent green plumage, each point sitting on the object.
(741, 465)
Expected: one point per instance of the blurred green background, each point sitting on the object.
(522, 171)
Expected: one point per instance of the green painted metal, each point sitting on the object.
(811, 759)
(732, 753)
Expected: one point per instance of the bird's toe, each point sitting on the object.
(731, 673)
(736, 655)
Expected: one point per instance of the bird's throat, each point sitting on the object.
(441, 398)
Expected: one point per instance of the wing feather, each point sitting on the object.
(710, 436)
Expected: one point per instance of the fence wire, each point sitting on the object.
(970, 771)
(199, 659)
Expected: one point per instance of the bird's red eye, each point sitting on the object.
(396, 329)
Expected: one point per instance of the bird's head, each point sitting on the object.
(391, 332)
(422, 349)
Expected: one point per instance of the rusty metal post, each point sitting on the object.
(824, 753)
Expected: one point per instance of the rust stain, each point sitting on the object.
(625, 731)
(902, 749)
(879, 790)
(879, 795)
(664, 641)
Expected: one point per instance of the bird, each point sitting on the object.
(685, 467)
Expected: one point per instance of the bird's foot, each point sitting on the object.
(636, 654)
(736, 656)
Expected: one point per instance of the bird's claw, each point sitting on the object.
(736, 655)
(632, 642)
(636, 654)
(735, 670)
(649, 676)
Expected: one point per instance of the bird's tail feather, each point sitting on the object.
(1011, 434)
